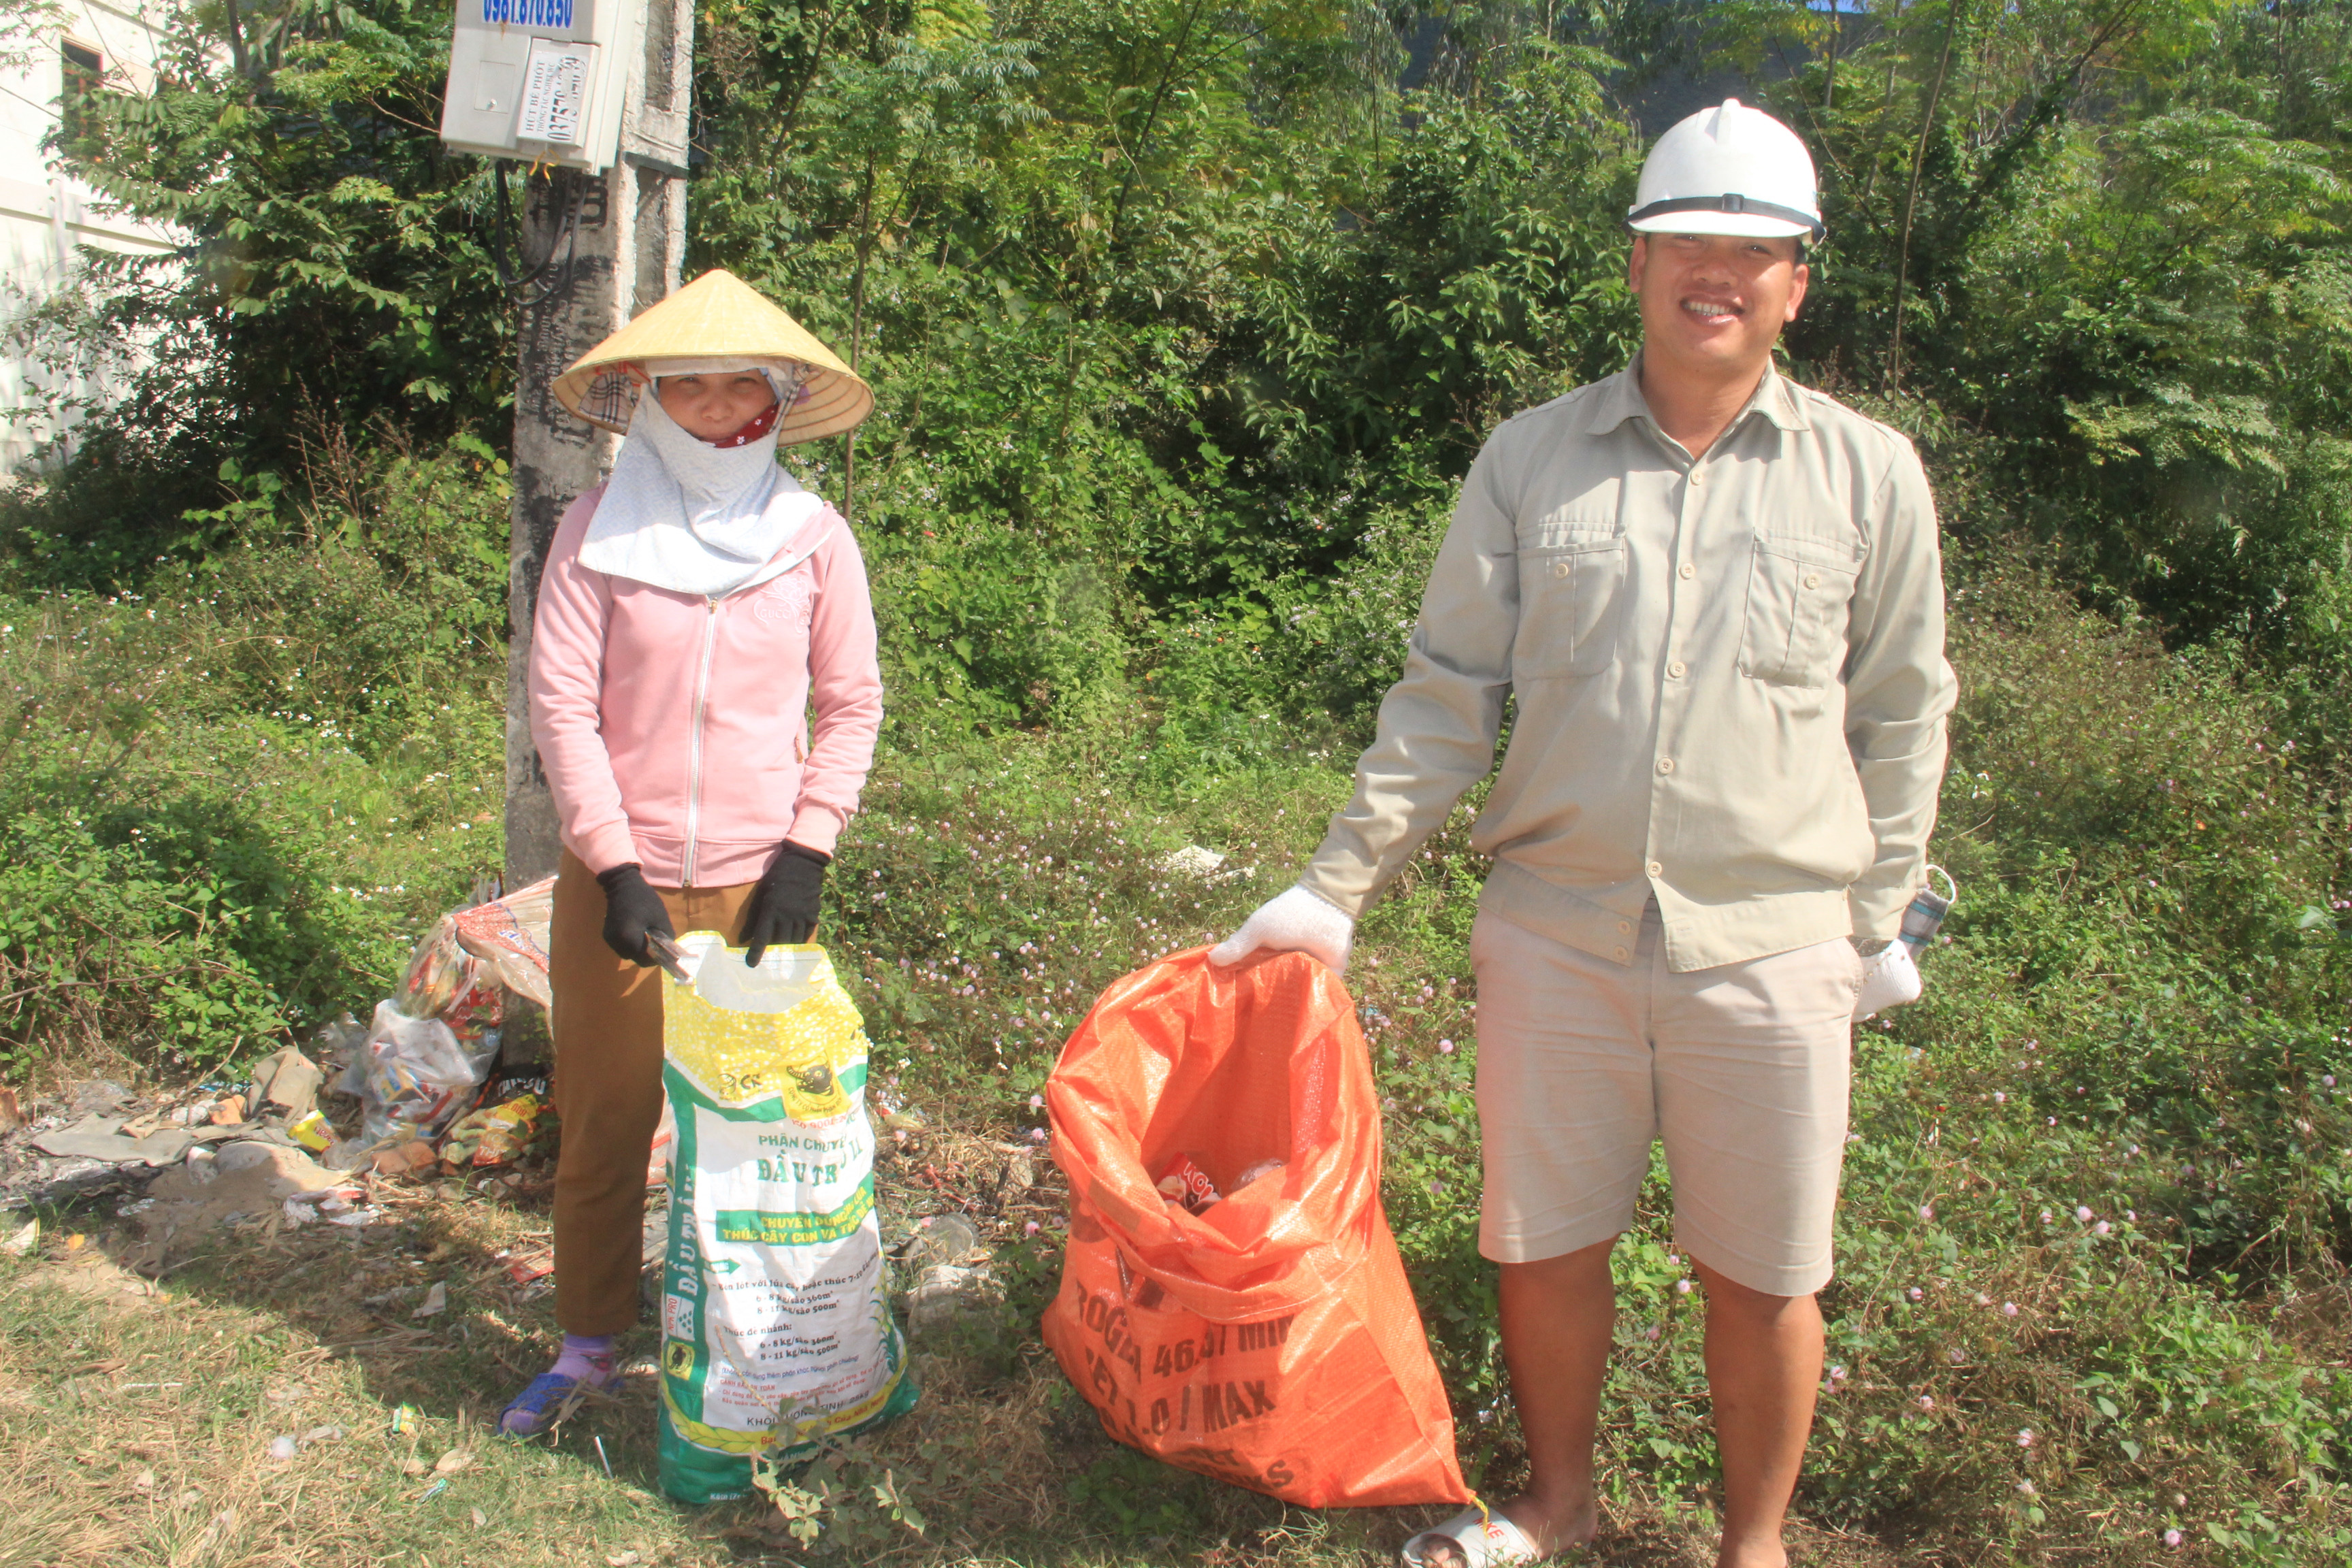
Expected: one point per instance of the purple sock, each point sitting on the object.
(588, 1357)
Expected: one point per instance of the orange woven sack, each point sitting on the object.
(1270, 1339)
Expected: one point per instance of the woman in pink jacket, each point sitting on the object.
(705, 697)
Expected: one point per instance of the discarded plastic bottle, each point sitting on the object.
(1927, 910)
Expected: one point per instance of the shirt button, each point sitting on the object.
(1697, 478)
(1623, 956)
(1677, 670)
(1655, 869)
(1813, 579)
(1624, 926)
(1665, 764)
(1686, 569)
(1560, 568)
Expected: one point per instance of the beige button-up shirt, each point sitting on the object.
(1731, 680)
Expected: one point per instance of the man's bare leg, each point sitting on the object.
(1559, 1316)
(1763, 1366)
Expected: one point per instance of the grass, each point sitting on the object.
(137, 1422)
(2159, 1396)
(228, 802)
(2138, 1022)
(136, 1419)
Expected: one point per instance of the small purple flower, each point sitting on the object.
(1927, 1211)
(2045, 1216)
(1446, 1046)
(2082, 1214)
(1925, 1403)
(2025, 1489)
(2025, 1436)
(1030, 1228)
(2009, 1309)
(1036, 1135)
(2000, 1097)
(1916, 1294)
(1436, 1188)
(2172, 1539)
(1036, 1102)
(2102, 1228)
(2130, 1218)
(1682, 1286)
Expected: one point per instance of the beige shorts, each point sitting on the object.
(1740, 1070)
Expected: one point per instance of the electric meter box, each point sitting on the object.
(540, 80)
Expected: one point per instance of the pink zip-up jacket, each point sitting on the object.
(674, 728)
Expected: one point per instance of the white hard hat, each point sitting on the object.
(1728, 170)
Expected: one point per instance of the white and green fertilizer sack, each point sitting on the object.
(776, 1328)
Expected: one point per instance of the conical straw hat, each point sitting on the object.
(718, 315)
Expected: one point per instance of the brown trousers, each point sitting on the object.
(606, 1020)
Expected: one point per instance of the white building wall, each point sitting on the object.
(47, 217)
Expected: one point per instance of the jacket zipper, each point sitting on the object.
(694, 742)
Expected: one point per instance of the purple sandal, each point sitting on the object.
(527, 1414)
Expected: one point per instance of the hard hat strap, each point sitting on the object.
(1732, 201)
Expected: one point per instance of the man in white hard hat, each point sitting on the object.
(1716, 599)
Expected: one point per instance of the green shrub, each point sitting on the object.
(230, 803)
(2150, 890)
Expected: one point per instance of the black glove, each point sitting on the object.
(632, 911)
(783, 908)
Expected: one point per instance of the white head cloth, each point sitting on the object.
(682, 514)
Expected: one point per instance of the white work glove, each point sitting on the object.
(1889, 979)
(1293, 920)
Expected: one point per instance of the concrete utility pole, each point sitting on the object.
(610, 246)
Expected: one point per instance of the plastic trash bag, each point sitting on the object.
(510, 936)
(414, 1074)
(501, 944)
(776, 1330)
(1269, 1339)
(439, 972)
(433, 1044)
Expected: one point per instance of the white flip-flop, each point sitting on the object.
(1486, 1540)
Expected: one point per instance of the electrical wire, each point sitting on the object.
(525, 287)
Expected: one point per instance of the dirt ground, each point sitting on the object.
(146, 1371)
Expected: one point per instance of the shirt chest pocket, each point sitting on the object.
(1797, 593)
(1571, 598)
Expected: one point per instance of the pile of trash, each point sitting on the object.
(100, 1137)
(431, 1044)
(263, 1143)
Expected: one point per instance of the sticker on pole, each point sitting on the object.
(555, 92)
